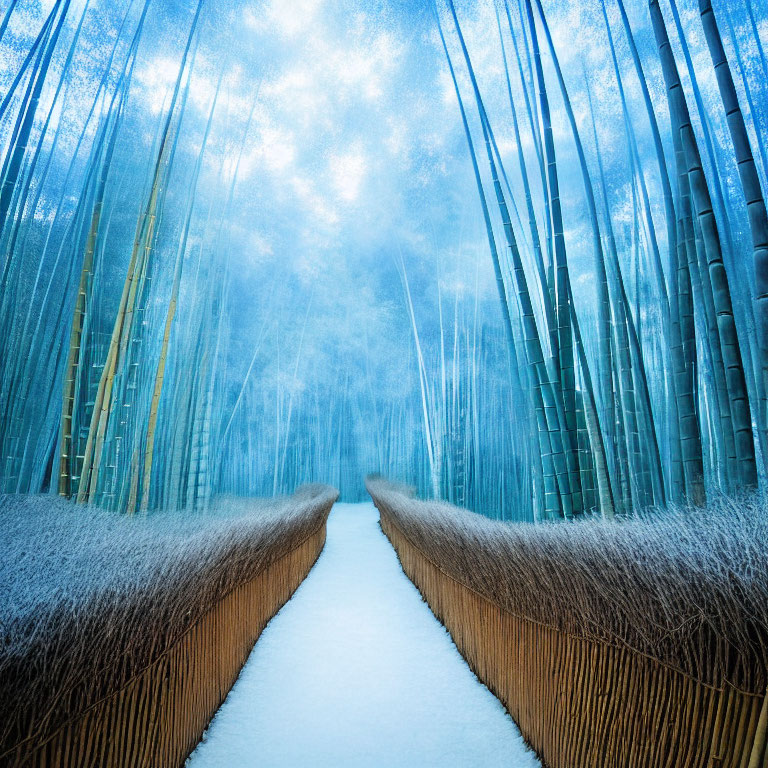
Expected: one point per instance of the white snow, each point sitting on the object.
(356, 671)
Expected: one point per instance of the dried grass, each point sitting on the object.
(92, 599)
(685, 587)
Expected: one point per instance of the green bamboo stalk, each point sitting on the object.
(538, 254)
(750, 184)
(13, 164)
(171, 313)
(426, 396)
(557, 479)
(142, 249)
(736, 380)
(562, 298)
(527, 83)
(741, 68)
(604, 302)
(7, 17)
(684, 384)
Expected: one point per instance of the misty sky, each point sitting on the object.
(354, 158)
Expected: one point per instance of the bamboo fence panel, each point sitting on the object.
(156, 719)
(585, 703)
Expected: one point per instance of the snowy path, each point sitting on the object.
(356, 671)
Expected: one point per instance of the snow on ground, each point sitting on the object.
(356, 671)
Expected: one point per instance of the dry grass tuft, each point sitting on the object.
(91, 599)
(686, 587)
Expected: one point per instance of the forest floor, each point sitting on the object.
(356, 671)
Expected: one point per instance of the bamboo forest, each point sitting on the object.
(384, 318)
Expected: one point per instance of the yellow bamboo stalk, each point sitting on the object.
(117, 345)
(131, 507)
(153, 408)
(73, 357)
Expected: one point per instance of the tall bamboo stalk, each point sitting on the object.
(565, 360)
(142, 249)
(170, 315)
(736, 385)
(750, 184)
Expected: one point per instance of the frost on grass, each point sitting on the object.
(688, 587)
(90, 598)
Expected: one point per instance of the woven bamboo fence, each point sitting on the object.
(156, 715)
(578, 700)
